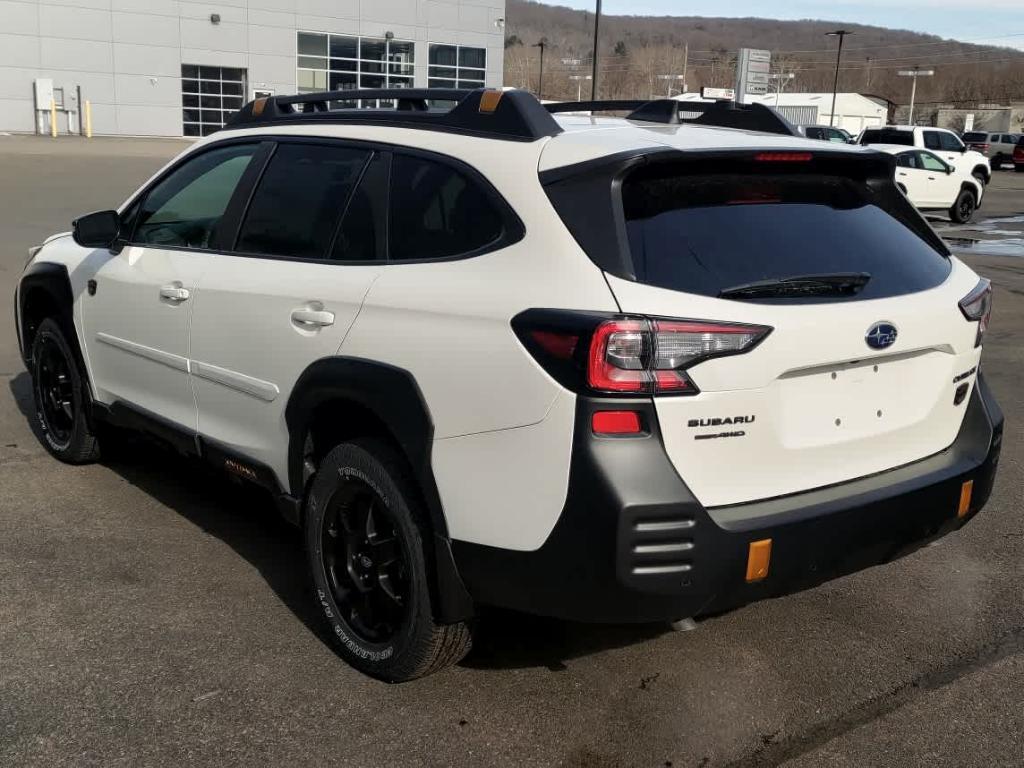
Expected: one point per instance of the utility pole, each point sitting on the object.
(540, 83)
(867, 76)
(915, 73)
(840, 33)
(593, 76)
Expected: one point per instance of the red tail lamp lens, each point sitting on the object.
(651, 356)
(616, 423)
(560, 345)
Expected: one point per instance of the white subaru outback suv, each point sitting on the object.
(606, 369)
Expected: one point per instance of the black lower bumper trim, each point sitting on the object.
(634, 545)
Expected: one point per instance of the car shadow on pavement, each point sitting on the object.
(246, 519)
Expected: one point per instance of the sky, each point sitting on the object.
(986, 22)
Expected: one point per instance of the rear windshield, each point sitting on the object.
(706, 233)
(887, 136)
(982, 137)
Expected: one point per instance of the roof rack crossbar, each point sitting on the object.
(516, 115)
(722, 114)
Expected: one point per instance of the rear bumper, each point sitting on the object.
(634, 545)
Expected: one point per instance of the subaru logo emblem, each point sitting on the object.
(881, 335)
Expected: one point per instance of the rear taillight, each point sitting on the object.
(651, 356)
(1018, 154)
(629, 355)
(977, 307)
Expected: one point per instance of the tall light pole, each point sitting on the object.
(593, 74)
(915, 73)
(840, 33)
(540, 83)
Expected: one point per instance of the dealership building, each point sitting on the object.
(178, 67)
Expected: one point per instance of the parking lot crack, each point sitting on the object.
(775, 752)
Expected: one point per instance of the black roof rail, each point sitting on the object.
(513, 115)
(722, 114)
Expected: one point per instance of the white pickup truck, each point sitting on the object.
(943, 143)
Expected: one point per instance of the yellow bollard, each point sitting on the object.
(88, 119)
(53, 118)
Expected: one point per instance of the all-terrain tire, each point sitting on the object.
(59, 392)
(369, 473)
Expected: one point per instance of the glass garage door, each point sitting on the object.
(209, 96)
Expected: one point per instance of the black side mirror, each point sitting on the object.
(97, 230)
(949, 170)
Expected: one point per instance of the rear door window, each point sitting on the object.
(949, 143)
(361, 236)
(907, 160)
(978, 137)
(933, 139)
(705, 233)
(299, 201)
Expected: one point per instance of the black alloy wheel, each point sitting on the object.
(60, 391)
(368, 543)
(965, 207)
(364, 562)
(55, 392)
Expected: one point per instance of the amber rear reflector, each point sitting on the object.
(489, 101)
(257, 106)
(759, 557)
(965, 498)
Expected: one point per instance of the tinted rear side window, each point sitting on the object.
(887, 136)
(361, 236)
(438, 212)
(979, 137)
(705, 233)
(300, 199)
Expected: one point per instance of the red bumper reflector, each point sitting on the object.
(616, 423)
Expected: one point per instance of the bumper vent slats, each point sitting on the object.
(660, 547)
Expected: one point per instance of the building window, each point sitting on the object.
(457, 66)
(209, 96)
(343, 63)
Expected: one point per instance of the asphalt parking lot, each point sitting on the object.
(153, 614)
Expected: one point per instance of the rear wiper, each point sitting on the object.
(837, 284)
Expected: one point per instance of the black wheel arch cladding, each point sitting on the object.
(392, 395)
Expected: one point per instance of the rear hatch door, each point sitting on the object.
(855, 377)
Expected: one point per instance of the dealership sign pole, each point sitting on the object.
(752, 69)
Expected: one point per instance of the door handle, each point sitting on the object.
(174, 293)
(903, 173)
(312, 318)
(931, 178)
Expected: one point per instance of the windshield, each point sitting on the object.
(705, 233)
